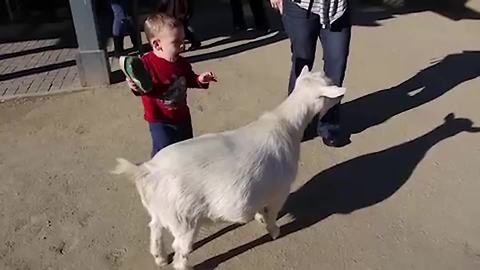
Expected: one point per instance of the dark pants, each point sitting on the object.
(187, 28)
(165, 134)
(304, 31)
(258, 11)
(122, 24)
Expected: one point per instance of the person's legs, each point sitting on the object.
(118, 28)
(190, 36)
(303, 33)
(259, 14)
(237, 13)
(335, 53)
(335, 43)
(131, 25)
(189, 31)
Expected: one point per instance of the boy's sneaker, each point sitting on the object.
(134, 69)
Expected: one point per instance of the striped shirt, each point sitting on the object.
(328, 10)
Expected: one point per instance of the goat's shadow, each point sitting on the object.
(354, 184)
(431, 83)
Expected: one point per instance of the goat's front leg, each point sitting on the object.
(260, 216)
(156, 242)
(267, 217)
(182, 245)
(269, 214)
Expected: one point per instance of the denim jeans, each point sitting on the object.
(303, 32)
(122, 23)
(164, 134)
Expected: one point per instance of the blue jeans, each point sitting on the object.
(165, 134)
(122, 23)
(303, 32)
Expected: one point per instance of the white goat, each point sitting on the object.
(233, 176)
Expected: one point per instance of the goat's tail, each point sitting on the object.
(131, 170)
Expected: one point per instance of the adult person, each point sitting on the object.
(305, 22)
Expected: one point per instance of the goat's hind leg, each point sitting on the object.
(268, 219)
(270, 214)
(156, 242)
(184, 236)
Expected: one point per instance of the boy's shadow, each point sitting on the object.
(354, 184)
(431, 83)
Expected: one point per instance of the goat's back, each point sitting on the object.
(228, 175)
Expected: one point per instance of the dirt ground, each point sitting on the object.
(402, 195)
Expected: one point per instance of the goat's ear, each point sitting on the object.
(304, 72)
(333, 91)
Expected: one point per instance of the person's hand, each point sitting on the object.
(133, 86)
(277, 4)
(207, 77)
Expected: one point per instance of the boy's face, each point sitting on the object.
(169, 42)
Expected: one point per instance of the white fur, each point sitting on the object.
(234, 176)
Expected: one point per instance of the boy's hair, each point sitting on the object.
(157, 22)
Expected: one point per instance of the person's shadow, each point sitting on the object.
(427, 85)
(354, 184)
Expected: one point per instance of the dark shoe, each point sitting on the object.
(330, 141)
(263, 28)
(309, 133)
(239, 28)
(195, 45)
(335, 139)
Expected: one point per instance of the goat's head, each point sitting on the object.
(318, 90)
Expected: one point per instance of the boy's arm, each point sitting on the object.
(193, 80)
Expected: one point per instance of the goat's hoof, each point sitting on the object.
(274, 232)
(160, 261)
(182, 267)
(259, 218)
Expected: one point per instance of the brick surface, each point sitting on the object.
(24, 86)
(34, 87)
(11, 90)
(30, 67)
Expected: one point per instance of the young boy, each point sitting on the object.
(165, 100)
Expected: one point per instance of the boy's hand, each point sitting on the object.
(133, 86)
(207, 77)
